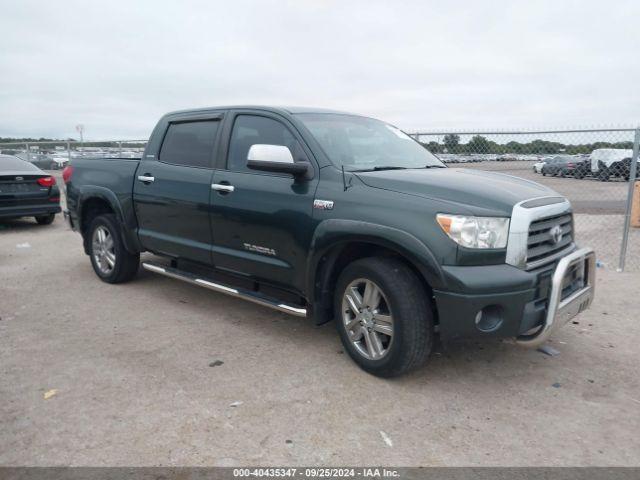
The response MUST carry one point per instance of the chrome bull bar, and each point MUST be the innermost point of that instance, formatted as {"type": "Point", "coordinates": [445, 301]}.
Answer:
{"type": "Point", "coordinates": [559, 310]}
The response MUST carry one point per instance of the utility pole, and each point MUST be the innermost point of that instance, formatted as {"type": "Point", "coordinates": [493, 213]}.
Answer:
{"type": "Point", "coordinates": [80, 130]}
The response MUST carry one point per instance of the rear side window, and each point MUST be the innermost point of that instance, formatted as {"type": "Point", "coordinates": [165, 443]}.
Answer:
{"type": "Point", "coordinates": [189, 143]}
{"type": "Point", "coordinates": [251, 129]}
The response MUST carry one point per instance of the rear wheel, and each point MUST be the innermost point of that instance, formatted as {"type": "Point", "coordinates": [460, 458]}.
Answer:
{"type": "Point", "coordinates": [46, 219]}
{"type": "Point", "coordinates": [383, 316]}
{"type": "Point", "coordinates": [603, 174]}
{"type": "Point", "coordinates": [110, 259]}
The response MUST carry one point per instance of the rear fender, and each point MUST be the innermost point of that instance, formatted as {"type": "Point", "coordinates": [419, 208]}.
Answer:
{"type": "Point", "coordinates": [126, 221]}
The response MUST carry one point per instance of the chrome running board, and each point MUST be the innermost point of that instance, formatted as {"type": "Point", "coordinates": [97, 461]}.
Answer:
{"type": "Point", "coordinates": [220, 288]}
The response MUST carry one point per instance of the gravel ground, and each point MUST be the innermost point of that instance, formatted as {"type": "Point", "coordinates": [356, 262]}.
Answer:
{"type": "Point", "coordinates": [157, 372]}
{"type": "Point", "coordinates": [588, 195]}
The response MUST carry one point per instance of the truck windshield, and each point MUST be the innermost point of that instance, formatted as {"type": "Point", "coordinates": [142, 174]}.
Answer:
{"type": "Point", "coordinates": [360, 143]}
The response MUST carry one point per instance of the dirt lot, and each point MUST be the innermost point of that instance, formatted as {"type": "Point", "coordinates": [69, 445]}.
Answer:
{"type": "Point", "coordinates": [129, 372]}
{"type": "Point", "coordinates": [588, 195]}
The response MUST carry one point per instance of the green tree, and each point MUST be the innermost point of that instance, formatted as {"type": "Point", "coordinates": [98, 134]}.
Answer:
{"type": "Point", "coordinates": [451, 141]}
{"type": "Point", "coordinates": [433, 147]}
{"type": "Point", "coordinates": [478, 144]}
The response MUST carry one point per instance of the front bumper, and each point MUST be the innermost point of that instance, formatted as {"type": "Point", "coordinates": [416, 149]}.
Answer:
{"type": "Point", "coordinates": [506, 301]}
{"type": "Point", "coordinates": [563, 305]}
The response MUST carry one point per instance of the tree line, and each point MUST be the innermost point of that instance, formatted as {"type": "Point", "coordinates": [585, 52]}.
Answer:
{"type": "Point", "coordinates": [43, 144]}
{"type": "Point", "coordinates": [25, 140]}
{"type": "Point", "coordinates": [479, 144]}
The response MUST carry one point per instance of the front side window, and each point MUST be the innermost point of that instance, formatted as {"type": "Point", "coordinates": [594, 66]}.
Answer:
{"type": "Point", "coordinates": [252, 129]}
{"type": "Point", "coordinates": [189, 143]}
{"type": "Point", "coordinates": [361, 143]}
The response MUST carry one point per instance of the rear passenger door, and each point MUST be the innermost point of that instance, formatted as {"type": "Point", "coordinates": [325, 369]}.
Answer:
{"type": "Point", "coordinates": [172, 190]}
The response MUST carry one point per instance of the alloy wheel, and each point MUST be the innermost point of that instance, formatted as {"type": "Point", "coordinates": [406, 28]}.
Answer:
{"type": "Point", "coordinates": [103, 250]}
{"type": "Point", "coordinates": [367, 318]}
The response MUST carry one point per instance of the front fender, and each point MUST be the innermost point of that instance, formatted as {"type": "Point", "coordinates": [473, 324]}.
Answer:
{"type": "Point", "coordinates": [334, 232]}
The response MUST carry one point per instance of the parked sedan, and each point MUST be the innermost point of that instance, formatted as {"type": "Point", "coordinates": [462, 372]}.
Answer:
{"type": "Point", "coordinates": [27, 191]}
{"type": "Point", "coordinates": [562, 165]}
{"type": "Point", "coordinates": [537, 167]}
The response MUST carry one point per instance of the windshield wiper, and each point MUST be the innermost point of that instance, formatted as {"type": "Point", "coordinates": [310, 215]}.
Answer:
{"type": "Point", "coordinates": [434, 166]}
{"type": "Point", "coordinates": [379, 168]}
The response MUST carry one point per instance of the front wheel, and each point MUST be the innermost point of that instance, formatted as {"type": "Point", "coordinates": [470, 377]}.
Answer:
{"type": "Point", "coordinates": [383, 316]}
{"type": "Point", "coordinates": [110, 259]}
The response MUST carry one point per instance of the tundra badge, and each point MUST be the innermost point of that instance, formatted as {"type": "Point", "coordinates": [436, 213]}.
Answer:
{"type": "Point", "coordinates": [323, 204]}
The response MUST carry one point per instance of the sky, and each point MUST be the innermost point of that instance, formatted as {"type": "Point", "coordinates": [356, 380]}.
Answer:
{"type": "Point", "coordinates": [117, 66]}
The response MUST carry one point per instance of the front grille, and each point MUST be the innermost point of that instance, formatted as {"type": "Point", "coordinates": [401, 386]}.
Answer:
{"type": "Point", "coordinates": [541, 244]}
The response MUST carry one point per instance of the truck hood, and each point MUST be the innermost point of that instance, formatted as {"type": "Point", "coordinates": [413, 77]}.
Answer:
{"type": "Point", "coordinates": [475, 189]}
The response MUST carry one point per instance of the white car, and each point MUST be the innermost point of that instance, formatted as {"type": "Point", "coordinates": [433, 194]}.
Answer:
{"type": "Point", "coordinates": [537, 167]}
{"type": "Point", "coordinates": [59, 161]}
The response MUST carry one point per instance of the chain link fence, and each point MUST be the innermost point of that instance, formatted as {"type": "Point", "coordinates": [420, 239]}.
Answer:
{"type": "Point", "coordinates": [54, 155]}
{"type": "Point", "coordinates": [592, 168]}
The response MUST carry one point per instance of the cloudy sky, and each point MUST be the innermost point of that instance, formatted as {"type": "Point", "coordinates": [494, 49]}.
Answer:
{"type": "Point", "coordinates": [116, 66]}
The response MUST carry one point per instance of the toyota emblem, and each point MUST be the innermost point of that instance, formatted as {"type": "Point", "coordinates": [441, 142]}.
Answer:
{"type": "Point", "coordinates": [556, 234]}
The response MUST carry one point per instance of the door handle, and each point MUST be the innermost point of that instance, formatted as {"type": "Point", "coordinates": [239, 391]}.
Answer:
{"type": "Point", "coordinates": [146, 178]}
{"type": "Point", "coordinates": [221, 187]}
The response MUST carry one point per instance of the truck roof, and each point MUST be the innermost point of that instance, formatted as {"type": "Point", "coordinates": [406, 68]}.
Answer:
{"type": "Point", "coordinates": [276, 109]}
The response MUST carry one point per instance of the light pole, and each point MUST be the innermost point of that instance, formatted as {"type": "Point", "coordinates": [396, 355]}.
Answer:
{"type": "Point", "coordinates": [80, 130]}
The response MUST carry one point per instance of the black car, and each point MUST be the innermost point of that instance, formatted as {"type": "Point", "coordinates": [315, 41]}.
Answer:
{"type": "Point", "coordinates": [27, 191]}
{"type": "Point", "coordinates": [583, 168]}
{"type": "Point", "coordinates": [560, 165]}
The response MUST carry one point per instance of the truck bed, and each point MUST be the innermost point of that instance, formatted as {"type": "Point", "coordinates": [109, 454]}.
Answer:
{"type": "Point", "coordinates": [107, 177]}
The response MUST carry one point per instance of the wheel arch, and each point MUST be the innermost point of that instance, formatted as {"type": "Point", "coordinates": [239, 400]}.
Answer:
{"type": "Point", "coordinates": [337, 243]}
{"type": "Point", "coordinates": [96, 201]}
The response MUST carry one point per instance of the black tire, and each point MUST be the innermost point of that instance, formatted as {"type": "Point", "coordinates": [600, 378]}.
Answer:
{"type": "Point", "coordinates": [46, 219]}
{"type": "Point", "coordinates": [544, 174]}
{"type": "Point", "coordinates": [409, 306]}
{"type": "Point", "coordinates": [603, 174]}
{"type": "Point", "coordinates": [125, 265]}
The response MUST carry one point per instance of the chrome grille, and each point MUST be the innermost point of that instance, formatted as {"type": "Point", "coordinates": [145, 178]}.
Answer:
{"type": "Point", "coordinates": [542, 244]}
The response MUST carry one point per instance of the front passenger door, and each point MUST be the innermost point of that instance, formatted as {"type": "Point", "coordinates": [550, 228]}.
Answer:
{"type": "Point", "coordinates": [262, 222]}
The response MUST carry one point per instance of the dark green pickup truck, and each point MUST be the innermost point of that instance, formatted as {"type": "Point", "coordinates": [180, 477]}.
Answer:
{"type": "Point", "coordinates": [336, 216]}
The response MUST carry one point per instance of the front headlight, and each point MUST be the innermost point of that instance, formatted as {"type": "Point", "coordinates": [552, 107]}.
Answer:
{"type": "Point", "coordinates": [475, 232]}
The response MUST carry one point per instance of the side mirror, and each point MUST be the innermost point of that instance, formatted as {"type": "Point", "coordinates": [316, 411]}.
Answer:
{"type": "Point", "coordinates": [277, 159]}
